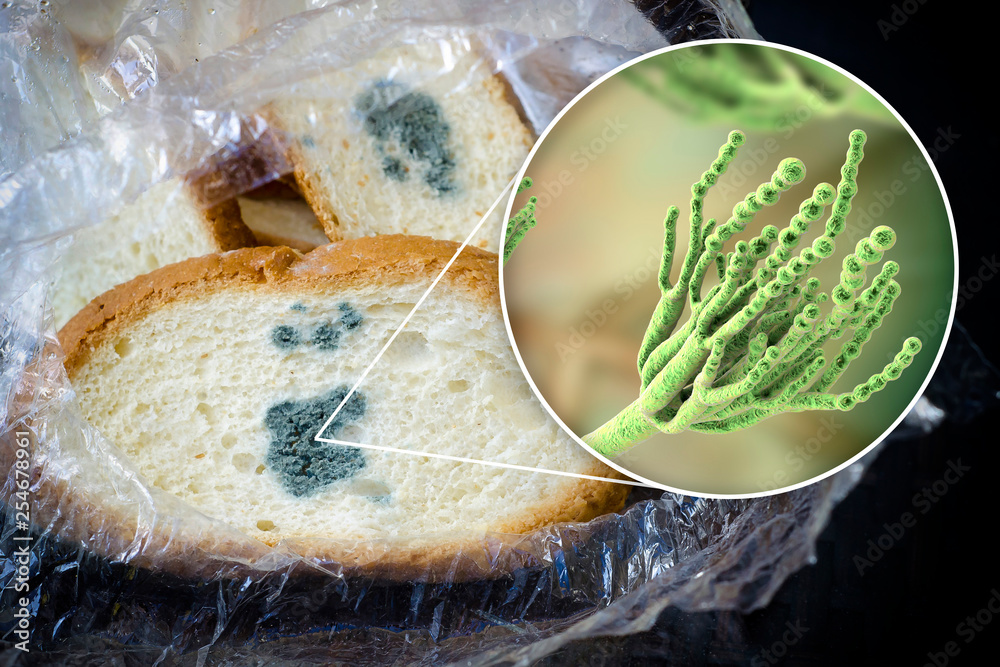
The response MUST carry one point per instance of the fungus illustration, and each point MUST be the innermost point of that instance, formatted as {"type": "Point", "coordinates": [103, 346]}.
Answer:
{"type": "Point", "coordinates": [752, 345]}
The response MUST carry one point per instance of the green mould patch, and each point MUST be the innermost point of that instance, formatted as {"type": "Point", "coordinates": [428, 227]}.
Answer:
{"type": "Point", "coordinates": [324, 336]}
{"type": "Point", "coordinates": [285, 337]}
{"type": "Point", "coordinates": [303, 465]}
{"type": "Point", "coordinates": [416, 122]}
{"type": "Point", "coordinates": [349, 318]}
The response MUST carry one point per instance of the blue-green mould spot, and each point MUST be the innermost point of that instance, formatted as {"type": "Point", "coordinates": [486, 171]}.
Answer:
{"type": "Point", "coordinates": [303, 465]}
{"type": "Point", "coordinates": [326, 337]}
{"type": "Point", "coordinates": [308, 141]}
{"type": "Point", "coordinates": [285, 337]}
{"type": "Point", "coordinates": [380, 500]}
{"type": "Point", "coordinates": [350, 318]}
{"type": "Point", "coordinates": [417, 123]}
{"type": "Point", "coordinates": [393, 168]}
{"type": "Point", "coordinates": [299, 307]}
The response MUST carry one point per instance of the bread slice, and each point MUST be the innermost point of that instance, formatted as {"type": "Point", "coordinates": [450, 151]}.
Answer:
{"type": "Point", "coordinates": [282, 221]}
{"type": "Point", "coordinates": [165, 224]}
{"type": "Point", "coordinates": [407, 142]}
{"type": "Point", "coordinates": [213, 376]}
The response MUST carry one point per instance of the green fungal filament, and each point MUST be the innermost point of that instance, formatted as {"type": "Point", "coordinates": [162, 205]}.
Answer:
{"type": "Point", "coordinates": [752, 346]}
{"type": "Point", "coordinates": [522, 221]}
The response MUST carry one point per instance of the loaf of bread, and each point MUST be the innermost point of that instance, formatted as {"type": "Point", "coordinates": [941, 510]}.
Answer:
{"type": "Point", "coordinates": [214, 375]}
{"type": "Point", "coordinates": [165, 224]}
{"type": "Point", "coordinates": [416, 140]}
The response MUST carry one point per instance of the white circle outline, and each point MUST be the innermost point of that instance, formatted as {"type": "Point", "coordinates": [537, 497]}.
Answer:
{"type": "Point", "coordinates": [927, 378]}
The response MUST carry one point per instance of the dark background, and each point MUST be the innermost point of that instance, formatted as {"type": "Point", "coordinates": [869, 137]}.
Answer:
{"type": "Point", "coordinates": [935, 63]}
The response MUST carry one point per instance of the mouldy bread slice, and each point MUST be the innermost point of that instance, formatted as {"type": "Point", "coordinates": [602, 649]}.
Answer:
{"type": "Point", "coordinates": [405, 142]}
{"type": "Point", "coordinates": [213, 376]}
{"type": "Point", "coordinates": [164, 225]}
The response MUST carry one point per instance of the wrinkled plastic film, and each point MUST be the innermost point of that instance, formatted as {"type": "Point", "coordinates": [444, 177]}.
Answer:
{"type": "Point", "coordinates": [143, 115]}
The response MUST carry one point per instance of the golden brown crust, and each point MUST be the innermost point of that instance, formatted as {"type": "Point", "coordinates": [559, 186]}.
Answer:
{"type": "Point", "coordinates": [125, 302]}
{"type": "Point", "coordinates": [320, 205]}
{"type": "Point", "coordinates": [385, 259]}
{"type": "Point", "coordinates": [279, 267]}
{"type": "Point", "coordinates": [225, 225]}
{"type": "Point", "coordinates": [263, 238]}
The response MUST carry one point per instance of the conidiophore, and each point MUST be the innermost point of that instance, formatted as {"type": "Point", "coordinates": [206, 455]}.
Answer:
{"type": "Point", "coordinates": [752, 345]}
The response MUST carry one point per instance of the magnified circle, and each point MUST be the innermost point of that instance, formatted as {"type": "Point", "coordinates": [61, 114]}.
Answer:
{"type": "Point", "coordinates": [812, 268]}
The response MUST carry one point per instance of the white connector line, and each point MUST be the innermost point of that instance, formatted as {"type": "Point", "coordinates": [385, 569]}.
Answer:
{"type": "Point", "coordinates": [406, 319]}
{"type": "Point", "coordinates": [385, 347]}
{"type": "Point", "coordinates": [463, 459]}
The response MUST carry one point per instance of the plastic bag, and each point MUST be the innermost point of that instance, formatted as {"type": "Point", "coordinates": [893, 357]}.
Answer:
{"type": "Point", "coordinates": [96, 591]}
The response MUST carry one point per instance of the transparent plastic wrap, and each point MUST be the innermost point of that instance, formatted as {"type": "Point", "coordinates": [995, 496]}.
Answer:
{"type": "Point", "coordinates": [119, 569]}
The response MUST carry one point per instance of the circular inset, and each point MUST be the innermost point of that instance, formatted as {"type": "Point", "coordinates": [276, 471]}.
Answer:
{"type": "Point", "coordinates": [764, 356]}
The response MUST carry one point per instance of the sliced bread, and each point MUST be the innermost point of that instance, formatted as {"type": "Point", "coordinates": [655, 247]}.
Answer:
{"type": "Point", "coordinates": [213, 376]}
{"type": "Point", "coordinates": [165, 224]}
{"type": "Point", "coordinates": [416, 140]}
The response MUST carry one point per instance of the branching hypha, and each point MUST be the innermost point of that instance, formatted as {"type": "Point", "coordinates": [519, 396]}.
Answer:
{"type": "Point", "coordinates": [522, 221]}
{"type": "Point", "coordinates": [755, 86]}
{"type": "Point", "coordinates": [752, 345]}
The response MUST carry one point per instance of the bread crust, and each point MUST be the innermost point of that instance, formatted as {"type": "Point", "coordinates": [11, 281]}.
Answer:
{"type": "Point", "coordinates": [225, 224]}
{"type": "Point", "coordinates": [386, 259]}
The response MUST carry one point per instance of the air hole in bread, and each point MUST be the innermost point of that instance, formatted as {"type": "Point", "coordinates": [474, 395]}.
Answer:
{"type": "Point", "coordinates": [369, 488]}
{"type": "Point", "coordinates": [207, 411]}
{"type": "Point", "coordinates": [228, 440]}
{"type": "Point", "coordinates": [352, 433]}
{"type": "Point", "coordinates": [458, 386]}
{"type": "Point", "coordinates": [265, 525]}
{"type": "Point", "coordinates": [123, 347]}
{"type": "Point", "coordinates": [244, 462]}
{"type": "Point", "coordinates": [408, 348]}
